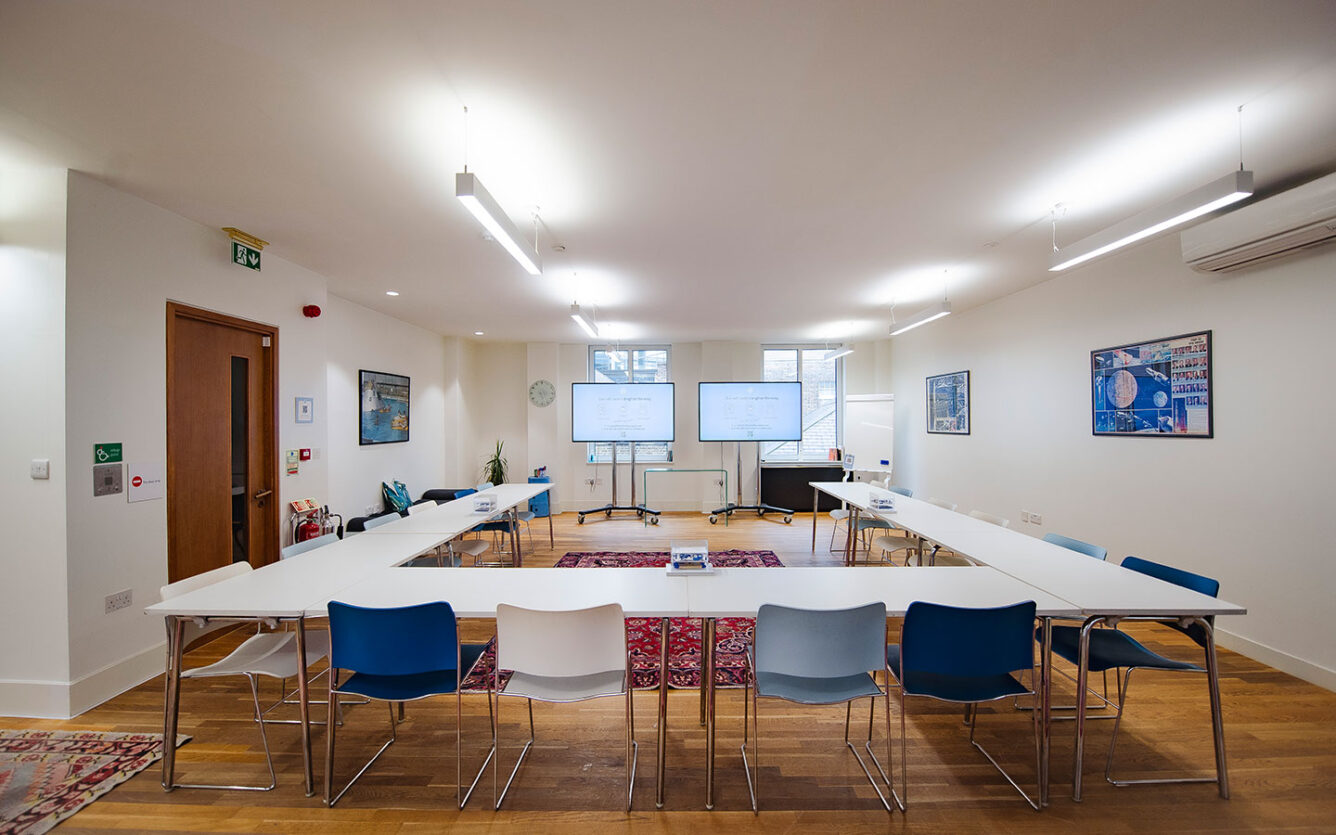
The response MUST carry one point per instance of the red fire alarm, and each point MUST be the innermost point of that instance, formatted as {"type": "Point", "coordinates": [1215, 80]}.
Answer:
{"type": "Point", "coordinates": [311, 311]}
{"type": "Point", "coordinates": [305, 455]}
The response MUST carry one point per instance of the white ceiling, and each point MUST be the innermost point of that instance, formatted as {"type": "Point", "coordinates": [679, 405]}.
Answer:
{"type": "Point", "coordinates": [728, 169]}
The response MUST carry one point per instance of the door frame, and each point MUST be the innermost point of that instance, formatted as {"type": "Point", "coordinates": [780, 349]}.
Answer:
{"type": "Point", "coordinates": [177, 310]}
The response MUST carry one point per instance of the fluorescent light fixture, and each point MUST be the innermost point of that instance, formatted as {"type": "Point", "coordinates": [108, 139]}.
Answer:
{"type": "Point", "coordinates": [391, 292]}
{"type": "Point", "coordinates": [470, 192]}
{"type": "Point", "coordinates": [1224, 191]}
{"type": "Point", "coordinates": [584, 321]}
{"type": "Point", "coordinates": [836, 353]}
{"type": "Point", "coordinates": [937, 311]}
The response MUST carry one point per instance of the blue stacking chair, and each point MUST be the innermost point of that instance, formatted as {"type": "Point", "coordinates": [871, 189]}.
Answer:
{"type": "Point", "coordinates": [1099, 553]}
{"type": "Point", "coordinates": [818, 657]}
{"type": "Point", "coordinates": [398, 655]}
{"type": "Point", "coordinates": [965, 656]}
{"type": "Point", "coordinates": [1114, 649]}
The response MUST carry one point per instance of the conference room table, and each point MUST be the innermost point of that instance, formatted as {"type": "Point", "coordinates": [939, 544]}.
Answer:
{"type": "Point", "coordinates": [1103, 592]}
{"type": "Point", "coordinates": [285, 590]}
{"type": "Point", "coordinates": [452, 518]}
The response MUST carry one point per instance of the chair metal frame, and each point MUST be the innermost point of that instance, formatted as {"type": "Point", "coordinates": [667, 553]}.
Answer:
{"type": "Point", "coordinates": [752, 693]}
{"type": "Point", "coordinates": [261, 647]}
{"type": "Point", "coordinates": [504, 614]}
{"type": "Point", "coordinates": [461, 796]}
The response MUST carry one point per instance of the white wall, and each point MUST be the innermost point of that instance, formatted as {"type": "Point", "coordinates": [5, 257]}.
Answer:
{"type": "Point", "coordinates": [1249, 507]}
{"type": "Point", "coordinates": [126, 259]}
{"type": "Point", "coordinates": [375, 342]}
{"type": "Point", "coordinates": [34, 660]}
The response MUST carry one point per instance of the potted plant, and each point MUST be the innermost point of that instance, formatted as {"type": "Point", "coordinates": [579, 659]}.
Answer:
{"type": "Point", "coordinates": [495, 467]}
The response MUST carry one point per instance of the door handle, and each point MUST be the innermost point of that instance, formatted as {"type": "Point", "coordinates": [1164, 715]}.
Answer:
{"type": "Point", "coordinates": [259, 497]}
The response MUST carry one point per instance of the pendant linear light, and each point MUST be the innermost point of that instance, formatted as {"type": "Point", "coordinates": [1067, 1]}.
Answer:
{"type": "Point", "coordinates": [937, 311]}
{"type": "Point", "coordinates": [470, 191]}
{"type": "Point", "coordinates": [1231, 188]}
{"type": "Point", "coordinates": [836, 353]}
{"type": "Point", "coordinates": [585, 321]}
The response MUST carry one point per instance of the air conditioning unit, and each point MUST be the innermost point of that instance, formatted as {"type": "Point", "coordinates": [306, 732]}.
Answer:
{"type": "Point", "coordinates": [1297, 219]}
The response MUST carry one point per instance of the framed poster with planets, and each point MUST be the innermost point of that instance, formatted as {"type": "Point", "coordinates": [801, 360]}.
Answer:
{"type": "Point", "coordinates": [1157, 389]}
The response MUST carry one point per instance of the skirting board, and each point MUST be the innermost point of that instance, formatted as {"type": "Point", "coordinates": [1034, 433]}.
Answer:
{"type": "Point", "coordinates": [1272, 657]}
{"type": "Point", "coordinates": [67, 699]}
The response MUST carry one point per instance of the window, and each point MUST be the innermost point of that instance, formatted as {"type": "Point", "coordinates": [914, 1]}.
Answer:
{"type": "Point", "coordinates": [637, 364]}
{"type": "Point", "coordinates": [821, 379]}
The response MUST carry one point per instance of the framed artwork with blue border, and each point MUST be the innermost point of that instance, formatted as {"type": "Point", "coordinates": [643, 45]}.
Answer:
{"type": "Point", "coordinates": [949, 403]}
{"type": "Point", "coordinates": [304, 409]}
{"type": "Point", "coordinates": [1160, 388]}
{"type": "Point", "coordinates": [383, 408]}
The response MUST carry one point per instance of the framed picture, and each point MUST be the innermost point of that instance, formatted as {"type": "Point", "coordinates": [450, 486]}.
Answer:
{"type": "Point", "coordinates": [383, 408]}
{"type": "Point", "coordinates": [949, 403]}
{"type": "Point", "coordinates": [304, 408]}
{"type": "Point", "coordinates": [1160, 388]}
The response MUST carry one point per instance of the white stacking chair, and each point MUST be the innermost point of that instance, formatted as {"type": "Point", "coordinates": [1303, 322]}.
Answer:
{"type": "Point", "coordinates": [272, 654]}
{"type": "Point", "coordinates": [308, 545]}
{"type": "Point", "coordinates": [936, 548]}
{"type": "Point", "coordinates": [991, 519]}
{"type": "Point", "coordinates": [563, 656]}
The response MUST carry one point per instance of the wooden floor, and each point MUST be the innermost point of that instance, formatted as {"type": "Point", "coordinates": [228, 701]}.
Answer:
{"type": "Point", "coordinates": [1281, 735]}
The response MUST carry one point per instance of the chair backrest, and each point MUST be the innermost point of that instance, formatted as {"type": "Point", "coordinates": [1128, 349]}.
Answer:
{"type": "Point", "coordinates": [414, 509]}
{"type": "Point", "coordinates": [1000, 521]}
{"type": "Point", "coordinates": [392, 642]}
{"type": "Point", "coordinates": [486, 485]}
{"type": "Point", "coordinates": [377, 521]}
{"type": "Point", "coordinates": [199, 581]}
{"type": "Point", "coordinates": [941, 503]}
{"type": "Point", "coordinates": [1179, 577]}
{"type": "Point", "coordinates": [958, 641]}
{"type": "Point", "coordinates": [1077, 545]}
{"type": "Point", "coordinates": [820, 643]}
{"type": "Point", "coordinates": [903, 491]}
{"type": "Point", "coordinates": [467, 491]}
{"type": "Point", "coordinates": [572, 642]}
{"type": "Point", "coordinates": [309, 545]}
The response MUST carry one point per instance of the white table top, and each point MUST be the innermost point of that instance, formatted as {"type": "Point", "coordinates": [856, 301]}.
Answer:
{"type": "Point", "coordinates": [1098, 587]}
{"type": "Point", "coordinates": [286, 588]}
{"type": "Point", "coordinates": [475, 592]}
{"type": "Point", "coordinates": [455, 517]}
{"type": "Point", "coordinates": [739, 592]}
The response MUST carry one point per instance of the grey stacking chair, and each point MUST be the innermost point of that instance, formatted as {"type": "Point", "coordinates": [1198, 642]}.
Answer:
{"type": "Point", "coordinates": [1077, 545]}
{"type": "Point", "coordinates": [818, 657]}
{"type": "Point", "coordinates": [383, 519]}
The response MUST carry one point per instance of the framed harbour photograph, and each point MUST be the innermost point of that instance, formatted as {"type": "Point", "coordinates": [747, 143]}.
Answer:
{"type": "Point", "coordinates": [1160, 388]}
{"type": "Point", "coordinates": [383, 415]}
{"type": "Point", "coordinates": [948, 402]}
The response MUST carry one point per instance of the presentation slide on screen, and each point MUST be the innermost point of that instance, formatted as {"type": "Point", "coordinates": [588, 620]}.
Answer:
{"type": "Point", "coordinates": [617, 412]}
{"type": "Point", "coordinates": [751, 411]}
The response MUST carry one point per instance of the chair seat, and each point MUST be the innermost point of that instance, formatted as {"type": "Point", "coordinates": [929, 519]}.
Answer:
{"type": "Point", "coordinates": [413, 686]}
{"type": "Point", "coordinates": [816, 691]}
{"type": "Point", "coordinates": [271, 654]}
{"type": "Point", "coordinates": [1110, 648]}
{"type": "Point", "coordinates": [950, 688]}
{"type": "Point", "coordinates": [566, 688]}
{"type": "Point", "coordinates": [472, 547]}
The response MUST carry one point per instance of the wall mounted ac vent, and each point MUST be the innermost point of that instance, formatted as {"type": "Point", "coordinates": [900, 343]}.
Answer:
{"type": "Point", "coordinates": [1300, 218]}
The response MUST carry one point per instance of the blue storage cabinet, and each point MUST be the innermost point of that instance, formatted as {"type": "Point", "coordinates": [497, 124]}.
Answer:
{"type": "Point", "coordinates": [540, 505]}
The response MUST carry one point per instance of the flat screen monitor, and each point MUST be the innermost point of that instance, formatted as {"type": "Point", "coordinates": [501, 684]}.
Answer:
{"type": "Point", "coordinates": [603, 412]}
{"type": "Point", "coordinates": [751, 411]}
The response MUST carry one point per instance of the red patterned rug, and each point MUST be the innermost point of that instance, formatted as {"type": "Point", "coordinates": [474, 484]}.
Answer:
{"type": "Point", "coordinates": [684, 639]}
{"type": "Point", "coordinates": [46, 776]}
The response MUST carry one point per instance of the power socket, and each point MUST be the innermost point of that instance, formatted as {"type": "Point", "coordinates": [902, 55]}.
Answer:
{"type": "Point", "coordinates": [119, 600]}
{"type": "Point", "coordinates": [1036, 519]}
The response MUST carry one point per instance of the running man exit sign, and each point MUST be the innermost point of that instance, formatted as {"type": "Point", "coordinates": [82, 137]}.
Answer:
{"type": "Point", "coordinates": [245, 256]}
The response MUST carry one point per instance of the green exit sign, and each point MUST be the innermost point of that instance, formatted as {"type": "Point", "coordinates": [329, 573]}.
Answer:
{"type": "Point", "coordinates": [106, 453]}
{"type": "Point", "coordinates": [245, 256]}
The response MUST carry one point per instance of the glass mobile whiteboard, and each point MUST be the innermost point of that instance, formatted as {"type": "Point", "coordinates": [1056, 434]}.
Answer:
{"type": "Point", "coordinates": [621, 412]}
{"type": "Point", "coordinates": [751, 411]}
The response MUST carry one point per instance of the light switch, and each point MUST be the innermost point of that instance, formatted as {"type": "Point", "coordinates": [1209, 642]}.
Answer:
{"type": "Point", "coordinates": [40, 468]}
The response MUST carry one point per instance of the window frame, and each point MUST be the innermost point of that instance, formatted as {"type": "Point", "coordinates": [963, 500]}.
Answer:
{"type": "Point", "coordinates": [647, 452]}
{"type": "Point", "coordinates": [823, 458]}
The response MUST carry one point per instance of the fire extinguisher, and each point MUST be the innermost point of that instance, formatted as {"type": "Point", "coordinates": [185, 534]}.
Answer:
{"type": "Point", "coordinates": [310, 527]}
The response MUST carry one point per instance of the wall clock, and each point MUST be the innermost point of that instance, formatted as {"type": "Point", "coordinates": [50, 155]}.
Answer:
{"type": "Point", "coordinates": [542, 393]}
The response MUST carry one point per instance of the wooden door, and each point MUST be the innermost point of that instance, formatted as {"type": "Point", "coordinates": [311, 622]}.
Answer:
{"type": "Point", "coordinates": [222, 442]}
